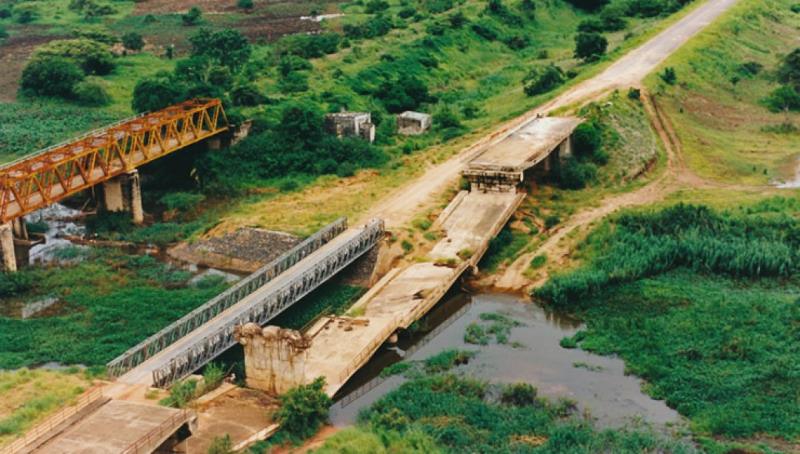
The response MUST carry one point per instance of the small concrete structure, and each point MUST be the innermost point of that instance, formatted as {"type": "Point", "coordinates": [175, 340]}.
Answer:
{"type": "Point", "coordinates": [124, 193]}
{"type": "Point", "coordinates": [502, 166]}
{"type": "Point", "coordinates": [275, 358]}
{"type": "Point", "coordinates": [413, 123]}
{"type": "Point", "coordinates": [16, 244]}
{"type": "Point", "coordinates": [351, 124]}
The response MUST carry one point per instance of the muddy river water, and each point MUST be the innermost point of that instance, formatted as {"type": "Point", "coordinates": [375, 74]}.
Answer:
{"type": "Point", "coordinates": [597, 383]}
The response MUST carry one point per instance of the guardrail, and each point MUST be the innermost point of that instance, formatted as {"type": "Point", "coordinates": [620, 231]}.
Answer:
{"type": "Point", "coordinates": [368, 351]}
{"type": "Point", "coordinates": [158, 434]}
{"type": "Point", "coordinates": [262, 310]}
{"type": "Point", "coordinates": [199, 316]}
{"type": "Point", "coordinates": [86, 399]}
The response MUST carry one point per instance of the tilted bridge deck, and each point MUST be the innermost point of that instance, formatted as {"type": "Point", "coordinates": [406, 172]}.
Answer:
{"type": "Point", "coordinates": [204, 343]}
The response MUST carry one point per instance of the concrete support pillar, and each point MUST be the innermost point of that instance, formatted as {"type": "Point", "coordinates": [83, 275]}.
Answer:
{"type": "Point", "coordinates": [20, 228]}
{"type": "Point", "coordinates": [565, 149]}
{"type": "Point", "coordinates": [124, 193]}
{"type": "Point", "coordinates": [9, 259]}
{"type": "Point", "coordinates": [215, 143]}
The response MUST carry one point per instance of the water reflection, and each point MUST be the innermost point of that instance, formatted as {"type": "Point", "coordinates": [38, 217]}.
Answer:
{"type": "Point", "coordinates": [597, 383]}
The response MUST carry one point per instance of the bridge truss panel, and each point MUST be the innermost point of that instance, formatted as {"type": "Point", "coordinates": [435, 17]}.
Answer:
{"type": "Point", "coordinates": [201, 315]}
{"type": "Point", "coordinates": [45, 177]}
{"type": "Point", "coordinates": [264, 309]}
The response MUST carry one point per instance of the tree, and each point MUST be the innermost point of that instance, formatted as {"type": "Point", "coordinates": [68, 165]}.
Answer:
{"type": "Point", "coordinates": [587, 139]}
{"type": "Point", "coordinates": [302, 123]}
{"type": "Point", "coordinates": [51, 76]}
{"type": "Point", "coordinates": [542, 79]}
{"type": "Point", "coordinates": [157, 92]}
{"type": "Point", "coordinates": [227, 47]}
{"type": "Point", "coordinates": [590, 46]}
{"type": "Point", "coordinates": [192, 17]}
{"type": "Point", "coordinates": [304, 409]}
{"type": "Point", "coordinates": [91, 94]}
{"type": "Point", "coordinates": [246, 95]}
{"type": "Point", "coordinates": [783, 99]}
{"type": "Point", "coordinates": [92, 56]}
{"type": "Point", "coordinates": [133, 41]}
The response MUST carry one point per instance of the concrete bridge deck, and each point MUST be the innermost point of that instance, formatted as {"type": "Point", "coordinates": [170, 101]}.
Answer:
{"type": "Point", "coordinates": [527, 146]}
{"type": "Point", "coordinates": [341, 346]}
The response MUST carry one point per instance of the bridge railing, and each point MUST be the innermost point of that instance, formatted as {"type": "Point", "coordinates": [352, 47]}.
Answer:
{"type": "Point", "coordinates": [23, 444]}
{"type": "Point", "coordinates": [201, 315]}
{"type": "Point", "coordinates": [147, 443]}
{"type": "Point", "coordinates": [264, 309]}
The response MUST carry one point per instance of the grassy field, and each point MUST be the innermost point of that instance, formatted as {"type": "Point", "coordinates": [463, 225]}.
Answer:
{"type": "Point", "coordinates": [709, 323]}
{"type": "Point", "coordinates": [28, 396]}
{"type": "Point", "coordinates": [726, 131]}
{"type": "Point", "coordinates": [107, 302]}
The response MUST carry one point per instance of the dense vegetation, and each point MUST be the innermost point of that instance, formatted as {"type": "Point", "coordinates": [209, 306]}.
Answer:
{"type": "Point", "coordinates": [107, 302]}
{"type": "Point", "coordinates": [701, 304]}
{"type": "Point", "coordinates": [438, 411]}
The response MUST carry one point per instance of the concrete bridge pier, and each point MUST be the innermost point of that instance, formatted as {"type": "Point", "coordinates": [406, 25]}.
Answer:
{"type": "Point", "coordinates": [124, 193]}
{"type": "Point", "coordinates": [9, 262]}
{"type": "Point", "coordinates": [16, 244]}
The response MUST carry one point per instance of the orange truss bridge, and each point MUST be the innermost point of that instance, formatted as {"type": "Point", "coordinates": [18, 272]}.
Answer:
{"type": "Point", "coordinates": [47, 176]}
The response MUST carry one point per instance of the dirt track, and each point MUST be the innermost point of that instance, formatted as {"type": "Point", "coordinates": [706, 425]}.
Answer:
{"type": "Point", "coordinates": [402, 205]}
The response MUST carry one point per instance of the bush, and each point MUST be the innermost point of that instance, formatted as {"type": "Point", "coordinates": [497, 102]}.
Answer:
{"type": "Point", "coordinates": [309, 46]}
{"type": "Point", "coordinates": [669, 76]}
{"type": "Point", "coordinates": [519, 395]}
{"type": "Point", "coordinates": [246, 95]}
{"type": "Point", "coordinates": [542, 79]}
{"type": "Point", "coordinates": [213, 375]}
{"type": "Point", "coordinates": [590, 46]}
{"type": "Point", "coordinates": [783, 99]}
{"type": "Point", "coordinates": [245, 4]}
{"type": "Point", "coordinates": [587, 139]}
{"type": "Point", "coordinates": [5, 13]}
{"type": "Point", "coordinates": [3, 33]}
{"type": "Point", "coordinates": [796, 8]}
{"type": "Point", "coordinates": [91, 94]}
{"type": "Point", "coordinates": [789, 71]}
{"type": "Point", "coordinates": [445, 118]}
{"type": "Point", "coordinates": [192, 17]}
{"type": "Point", "coordinates": [133, 41]}
{"type": "Point", "coordinates": [304, 409]}
{"type": "Point", "coordinates": [92, 56]}
{"type": "Point", "coordinates": [222, 445]}
{"type": "Point", "coordinates": [180, 394]}
{"type": "Point", "coordinates": [575, 174]}
{"type": "Point", "coordinates": [588, 5]}
{"type": "Point", "coordinates": [157, 92]}
{"type": "Point", "coordinates": [376, 6]}
{"type": "Point", "coordinates": [181, 201]}
{"type": "Point", "coordinates": [551, 221]}
{"type": "Point", "coordinates": [634, 94]}
{"type": "Point", "coordinates": [50, 76]}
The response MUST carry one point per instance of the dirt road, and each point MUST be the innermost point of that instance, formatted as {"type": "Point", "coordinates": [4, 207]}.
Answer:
{"type": "Point", "coordinates": [402, 205]}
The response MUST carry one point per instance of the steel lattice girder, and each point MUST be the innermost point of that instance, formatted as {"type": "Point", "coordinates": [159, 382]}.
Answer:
{"type": "Point", "coordinates": [199, 316]}
{"type": "Point", "coordinates": [260, 312]}
{"type": "Point", "coordinates": [45, 177]}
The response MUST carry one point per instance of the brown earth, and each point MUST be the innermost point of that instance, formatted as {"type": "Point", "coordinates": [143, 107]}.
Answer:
{"type": "Point", "coordinates": [14, 53]}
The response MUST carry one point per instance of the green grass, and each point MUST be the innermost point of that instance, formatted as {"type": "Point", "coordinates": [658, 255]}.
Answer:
{"type": "Point", "coordinates": [447, 413]}
{"type": "Point", "coordinates": [28, 396]}
{"type": "Point", "coordinates": [503, 249]}
{"type": "Point", "coordinates": [701, 304]}
{"type": "Point", "coordinates": [108, 302]}
{"type": "Point", "coordinates": [724, 128]}
{"type": "Point", "coordinates": [332, 297]}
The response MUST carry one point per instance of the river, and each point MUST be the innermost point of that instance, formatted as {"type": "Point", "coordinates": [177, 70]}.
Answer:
{"type": "Point", "coordinates": [597, 383]}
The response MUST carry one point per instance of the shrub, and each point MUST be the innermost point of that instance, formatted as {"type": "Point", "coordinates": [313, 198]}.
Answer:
{"type": "Point", "coordinates": [519, 394]}
{"type": "Point", "coordinates": [669, 76]}
{"type": "Point", "coordinates": [295, 82]}
{"type": "Point", "coordinates": [5, 13]}
{"type": "Point", "coordinates": [92, 56]}
{"type": "Point", "coordinates": [445, 118]}
{"type": "Point", "coordinates": [796, 8]}
{"type": "Point", "coordinates": [133, 41]}
{"type": "Point", "coordinates": [540, 260]}
{"type": "Point", "coordinates": [590, 46]}
{"type": "Point", "coordinates": [542, 79]}
{"type": "Point", "coordinates": [376, 6]}
{"type": "Point", "coordinates": [304, 409]}
{"type": "Point", "coordinates": [91, 94]}
{"type": "Point", "coordinates": [221, 445]}
{"type": "Point", "coordinates": [3, 33]}
{"type": "Point", "coordinates": [213, 375]}
{"type": "Point", "coordinates": [750, 69]}
{"type": "Point", "coordinates": [588, 5]}
{"type": "Point", "coordinates": [245, 4]}
{"type": "Point", "coordinates": [180, 394]}
{"type": "Point", "coordinates": [309, 46]}
{"type": "Point", "coordinates": [789, 71]}
{"type": "Point", "coordinates": [192, 17]}
{"type": "Point", "coordinates": [246, 95]}
{"type": "Point", "coordinates": [345, 169]}
{"type": "Point", "coordinates": [156, 92]}
{"type": "Point", "coordinates": [634, 94]}
{"type": "Point", "coordinates": [51, 76]}
{"type": "Point", "coordinates": [551, 221]}
{"type": "Point", "coordinates": [783, 99]}
{"type": "Point", "coordinates": [575, 174]}
{"type": "Point", "coordinates": [14, 284]}
{"type": "Point", "coordinates": [587, 139]}
{"type": "Point", "coordinates": [181, 201]}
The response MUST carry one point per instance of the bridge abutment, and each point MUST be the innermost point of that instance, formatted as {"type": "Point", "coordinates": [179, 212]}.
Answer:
{"type": "Point", "coordinates": [124, 193]}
